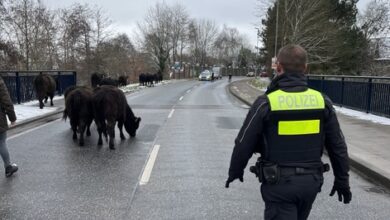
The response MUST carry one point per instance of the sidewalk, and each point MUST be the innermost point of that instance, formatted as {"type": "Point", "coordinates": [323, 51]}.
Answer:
{"type": "Point", "coordinates": [368, 142]}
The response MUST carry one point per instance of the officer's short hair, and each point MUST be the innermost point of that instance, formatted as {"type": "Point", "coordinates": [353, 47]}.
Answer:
{"type": "Point", "coordinates": [293, 58]}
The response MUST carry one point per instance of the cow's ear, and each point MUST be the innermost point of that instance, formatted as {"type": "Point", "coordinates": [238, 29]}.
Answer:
{"type": "Point", "coordinates": [137, 120]}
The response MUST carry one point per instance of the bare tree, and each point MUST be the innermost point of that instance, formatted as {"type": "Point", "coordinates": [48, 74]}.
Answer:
{"type": "Point", "coordinates": [375, 19]}
{"type": "Point", "coordinates": [156, 33]}
{"type": "Point", "coordinates": [304, 26]}
{"type": "Point", "coordinates": [227, 45]}
{"type": "Point", "coordinates": [179, 30]}
{"type": "Point", "coordinates": [202, 34]}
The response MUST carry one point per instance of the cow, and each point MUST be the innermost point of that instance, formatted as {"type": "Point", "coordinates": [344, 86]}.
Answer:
{"type": "Point", "coordinates": [147, 79]}
{"type": "Point", "coordinates": [109, 81]}
{"type": "Point", "coordinates": [45, 87]}
{"type": "Point", "coordinates": [96, 79]}
{"type": "Point", "coordinates": [78, 108]}
{"type": "Point", "coordinates": [110, 106]}
{"type": "Point", "coordinates": [122, 80]}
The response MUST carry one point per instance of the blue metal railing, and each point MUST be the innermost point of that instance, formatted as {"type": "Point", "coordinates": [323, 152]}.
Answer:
{"type": "Point", "coordinates": [20, 84]}
{"type": "Point", "coordinates": [369, 94]}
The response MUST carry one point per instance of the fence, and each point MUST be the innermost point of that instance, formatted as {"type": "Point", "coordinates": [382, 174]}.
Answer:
{"type": "Point", "coordinates": [369, 94]}
{"type": "Point", "coordinates": [21, 87]}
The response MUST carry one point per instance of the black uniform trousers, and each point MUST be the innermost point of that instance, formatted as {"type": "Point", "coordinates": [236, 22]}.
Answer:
{"type": "Point", "coordinates": [292, 197]}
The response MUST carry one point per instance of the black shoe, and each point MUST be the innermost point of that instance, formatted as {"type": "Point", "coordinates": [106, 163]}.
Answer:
{"type": "Point", "coordinates": [11, 169]}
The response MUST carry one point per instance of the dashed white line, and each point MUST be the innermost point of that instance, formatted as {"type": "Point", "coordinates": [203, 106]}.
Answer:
{"type": "Point", "coordinates": [171, 113]}
{"type": "Point", "coordinates": [181, 98]}
{"type": "Point", "coordinates": [149, 166]}
{"type": "Point", "coordinates": [188, 91]}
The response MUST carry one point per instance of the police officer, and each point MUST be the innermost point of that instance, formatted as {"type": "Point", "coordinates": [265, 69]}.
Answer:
{"type": "Point", "coordinates": [288, 126]}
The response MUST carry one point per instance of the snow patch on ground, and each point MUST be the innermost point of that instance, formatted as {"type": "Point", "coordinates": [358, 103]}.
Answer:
{"type": "Point", "coordinates": [363, 115]}
{"type": "Point", "coordinates": [36, 102]}
{"type": "Point", "coordinates": [135, 86]}
{"type": "Point", "coordinates": [24, 112]}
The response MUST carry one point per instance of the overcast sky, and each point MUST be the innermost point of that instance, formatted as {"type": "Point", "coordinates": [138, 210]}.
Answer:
{"type": "Point", "coordinates": [235, 13]}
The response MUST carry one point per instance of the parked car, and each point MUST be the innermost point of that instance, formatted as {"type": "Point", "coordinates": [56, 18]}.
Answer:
{"type": "Point", "coordinates": [250, 74]}
{"type": "Point", "coordinates": [205, 75]}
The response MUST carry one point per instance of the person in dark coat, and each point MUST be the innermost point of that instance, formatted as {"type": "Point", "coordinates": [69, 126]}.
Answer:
{"type": "Point", "coordinates": [7, 109]}
{"type": "Point", "coordinates": [289, 126]}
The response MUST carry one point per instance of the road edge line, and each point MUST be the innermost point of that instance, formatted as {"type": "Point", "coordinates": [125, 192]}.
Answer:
{"type": "Point", "coordinates": [149, 166]}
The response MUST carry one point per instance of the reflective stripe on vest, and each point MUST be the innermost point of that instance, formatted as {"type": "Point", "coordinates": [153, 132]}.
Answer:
{"type": "Point", "coordinates": [290, 101]}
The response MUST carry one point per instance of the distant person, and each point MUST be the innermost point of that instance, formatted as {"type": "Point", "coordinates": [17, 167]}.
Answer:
{"type": "Point", "coordinates": [230, 77]}
{"type": "Point", "coordinates": [289, 126]}
{"type": "Point", "coordinates": [7, 109]}
{"type": "Point", "coordinates": [212, 76]}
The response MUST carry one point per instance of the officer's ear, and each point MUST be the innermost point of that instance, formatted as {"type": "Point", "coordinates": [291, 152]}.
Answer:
{"type": "Point", "coordinates": [306, 69]}
{"type": "Point", "coordinates": [279, 68]}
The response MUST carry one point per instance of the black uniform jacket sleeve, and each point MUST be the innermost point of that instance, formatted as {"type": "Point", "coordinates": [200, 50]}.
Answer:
{"type": "Point", "coordinates": [336, 146]}
{"type": "Point", "coordinates": [250, 138]}
{"type": "Point", "coordinates": [5, 102]}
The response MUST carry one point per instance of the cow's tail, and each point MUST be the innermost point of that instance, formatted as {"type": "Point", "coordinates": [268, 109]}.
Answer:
{"type": "Point", "coordinates": [65, 115]}
{"type": "Point", "coordinates": [72, 107]}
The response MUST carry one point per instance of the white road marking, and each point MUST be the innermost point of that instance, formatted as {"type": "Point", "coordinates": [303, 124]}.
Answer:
{"type": "Point", "coordinates": [149, 166]}
{"type": "Point", "coordinates": [188, 91]}
{"type": "Point", "coordinates": [30, 130]}
{"type": "Point", "coordinates": [171, 113]}
{"type": "Point", "coordinates": [181, 98]}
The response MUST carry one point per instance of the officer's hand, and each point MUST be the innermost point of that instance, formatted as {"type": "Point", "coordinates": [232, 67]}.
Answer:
{"type": "Point", "coordinates": [231, 179]}
{"type": "Point", "coordinates": [342, 192]}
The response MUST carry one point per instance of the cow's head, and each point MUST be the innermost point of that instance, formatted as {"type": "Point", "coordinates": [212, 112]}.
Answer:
{"type": "Point", "coordinates": [131, 123]}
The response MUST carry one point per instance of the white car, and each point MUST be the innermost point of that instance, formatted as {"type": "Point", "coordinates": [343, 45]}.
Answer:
{"type": "Point", "coordinates": [250, 74]}
{"type": "Point", "coordinates": [205, 75]}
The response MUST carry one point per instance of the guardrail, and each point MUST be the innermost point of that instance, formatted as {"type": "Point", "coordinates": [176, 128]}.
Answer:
{"type": "Point", "coordinates": [20, 84]}
{"type": "Point", "coordinates": [369, 94]}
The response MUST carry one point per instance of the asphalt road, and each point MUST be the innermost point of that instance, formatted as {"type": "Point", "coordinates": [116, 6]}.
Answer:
{"type": "Point", "coordinates": [189, 128]}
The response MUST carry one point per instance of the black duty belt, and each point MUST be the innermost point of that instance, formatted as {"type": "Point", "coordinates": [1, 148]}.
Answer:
{"type": "Point", "coordinates": [290, 171]}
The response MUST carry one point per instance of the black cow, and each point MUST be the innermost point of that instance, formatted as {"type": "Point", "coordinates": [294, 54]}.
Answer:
{"type": "Point", "coordinates": [110, 105]}
{"type": "Point", "coordinates": [45, 86]}
{"type": "Point", "coordinates": [122, 80]}
{"type": "Point", "coordinates": [78, 107]}
{"type": "Point", "coordinates": [147, 79]}
{"type": "Point", "coordinates": [96, 79]}
{"type": "Point", "coordinates": [109, 81]}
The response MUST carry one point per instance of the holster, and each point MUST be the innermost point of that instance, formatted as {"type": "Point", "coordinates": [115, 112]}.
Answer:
{"type": "Point", "coordinates": [266, 171]}
{"type": "Point", "coordinates": [257, 169]}
{"type": "Point", "coordinates": [271, 173]}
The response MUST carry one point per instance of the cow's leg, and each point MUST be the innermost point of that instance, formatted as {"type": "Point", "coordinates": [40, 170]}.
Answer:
{"type": "Point", "coordinates": [41, 104]}
{"type": "Point", "coordinates": [111, 133]}
{"type": "Point", "coordinates": [82, 127]}
{"type": "Point", "coordinates": [51, 99]}
{"type": "Point", "coordinates": [73, 124]}
{"type": "Point", "coordinates": [120, 126]}
{"type": "Point", "coordinates": [100, 131]}
{"type": "Point", "coordinates": [46, 97]}
{"type": "Point", "coordinates": [89, 129]}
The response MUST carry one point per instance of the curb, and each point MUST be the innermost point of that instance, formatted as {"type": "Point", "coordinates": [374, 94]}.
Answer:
{"type": "Point", "coordinates": [37, 118]}
{"type": "Point", "coordinates": [235, 94]}
{"type": "Point", "coordinates": [355, 162]}
{"type": "Point", "coordinates": [368, 172]}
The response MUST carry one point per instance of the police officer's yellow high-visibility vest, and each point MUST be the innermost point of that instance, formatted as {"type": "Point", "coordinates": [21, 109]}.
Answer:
{"type": "Point", "coordinates": [294, 131]}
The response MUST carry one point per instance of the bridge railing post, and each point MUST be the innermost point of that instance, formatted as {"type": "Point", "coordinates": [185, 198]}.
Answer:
{"type": "Point", "coordinates": [59, 83]}
{"type": "Point", "coordinates": [342, 91]}
{"type": "Point", "coordinates": [18, 96]}
{"type": "Point", "coordinates": [369, 94]}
